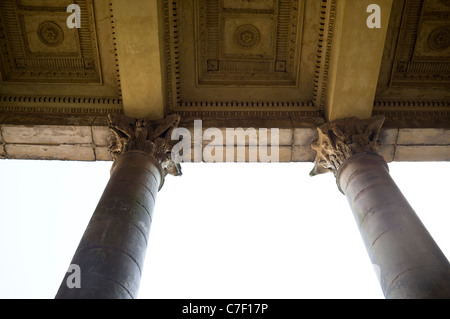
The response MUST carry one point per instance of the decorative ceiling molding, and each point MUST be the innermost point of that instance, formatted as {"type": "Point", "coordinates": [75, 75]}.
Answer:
{"type": "Point", "coordinates": [251, 114]}
{"type": "Point", "coordinates": [36, 46]}
{"type": "Point", "coordinates": [413, 113]}
{"type": "Point", "coordinates": [172, 53]}
{"type": "Point", "coordinates": [58, 104]}
{"type": "Point", "coordinates": [380, 104]}
{"type": "Point", "coordinates": [114, 40]}
{"type": "Point", "coordinates": [59, 99]}
{"type": "Point", "coordinates": [417, 63]}
{"type": "Point", "coordinates": [245, 43]}
{"type": "Point", "coordinates": [58, 110]}
{"type": "Point", "coordinates": [68, 95]}
{"type": "Point", "coordinates": [324, 44]}
{"type": "Point", "coordinates": [422, 57]}
{"type": "Point", "coordinates": [233, 103]}
{"type": "Point", "coordinates": [233, 54]}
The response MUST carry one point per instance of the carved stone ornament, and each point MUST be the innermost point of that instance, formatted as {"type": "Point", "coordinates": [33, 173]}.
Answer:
{"type": "Point", "coordinates": [339, 140]}
{"type": "Point", "coordinates": [151, 137]}
{"type": "Point", "coordinates": [247, 36]}
{"type": "Point", "coordinates": [439, 39]}
{"type": "Point", "coordinates": [50, 33]}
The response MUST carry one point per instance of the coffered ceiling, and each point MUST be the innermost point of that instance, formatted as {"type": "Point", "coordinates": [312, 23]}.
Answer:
{"type": "Point", "coordinates": [48, 67]}
{"type": "Point", "coordinates": [38, 47]}
{"type": "Point", "coordinates": [416, 61]}
{"type": "Point", "coordinates": [240, 55]}
{"type": "Point", "coordinates": [226, 58]}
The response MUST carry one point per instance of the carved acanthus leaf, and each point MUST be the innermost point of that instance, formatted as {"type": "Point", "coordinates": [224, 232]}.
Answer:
{"type": "Point", "coordinates": [151, 137]}
{"type": "Point", "coordinates": [339, 140]}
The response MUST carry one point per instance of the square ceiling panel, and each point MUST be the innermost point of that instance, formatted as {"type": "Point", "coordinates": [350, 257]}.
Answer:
{"type": "Point", "coordinates": [247, 42]}
{"type": "Point", "coordinates": [37, 46]}
{"type": "Point", "coordinates": [423, 48]}
{"type": "Point", "coordinates": [230, 55]}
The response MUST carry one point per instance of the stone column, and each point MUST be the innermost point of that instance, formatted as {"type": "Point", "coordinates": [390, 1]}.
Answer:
{"type": "Point", "coordinates": [111, 253]}
{"type": "Point", "coordinates": [409, 262]}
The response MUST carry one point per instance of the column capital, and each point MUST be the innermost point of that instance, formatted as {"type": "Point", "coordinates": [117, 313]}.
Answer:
{"type": "Point", "coordinates": [151, 137]}
{"type": "Point", "coordinates": [340, 139]}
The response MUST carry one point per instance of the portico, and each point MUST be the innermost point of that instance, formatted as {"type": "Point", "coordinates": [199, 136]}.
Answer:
{"type": "Point", "coordinates": [340, 93]}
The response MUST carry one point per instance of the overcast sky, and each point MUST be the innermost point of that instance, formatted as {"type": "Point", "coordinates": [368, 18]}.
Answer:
{"type": "Point", "coordinates": [219, 231]}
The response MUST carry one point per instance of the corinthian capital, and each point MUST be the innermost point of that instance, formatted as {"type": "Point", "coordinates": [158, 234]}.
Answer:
{"type": "Point", "coordinates": [339, 140]}
{"type": "Point", "coordinates": [151, 137]}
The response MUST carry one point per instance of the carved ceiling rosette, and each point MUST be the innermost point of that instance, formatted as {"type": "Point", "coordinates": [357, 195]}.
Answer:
{"type": "Point", "coordinates": [151, 137]}
{"type": "Point", "coordinates": [439, 39]}
{"type": "Point", "coordinates": [339, 140]}
{"type": "Point", "coordinates": [50, 33]}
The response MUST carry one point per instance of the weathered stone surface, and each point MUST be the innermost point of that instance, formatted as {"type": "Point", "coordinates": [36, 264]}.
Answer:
{"type": "Point", "coordinates": [387, 139]}
{"type": "Point", "coordinates": [285, 137]}
{"type": "Point", "coordinates": [245, 154]}
{"type": "Point", "coordinates": [422, 153]}
{"type": "Point", "coordinates": [303, 154]}
{"type": "Point", "coordinates": [101, 135]}
{"type": "Point", "coordinates": [101, 121]}
{"type": "Point", "coordinates": [45, 134]}
{"type": "Point", "coordinates": [3, 116]}
{"type": "Point", "coordinates": [304, 136]}
{"type": "Point", "coordinates": [388, 136]}
{"type": "Point", "coordinates": [102, 154]}
{"type": "Point", "coordinates": [34, 119]}
{"type": "Point", "coordinates": [259, 122]}
{"type": "Point", "coordinates": [2, 148]}
{"type": "Point", "coordinates": [140, 61]}
{"type": "Point", "coordinates": [430, 136]}
{"type": "Point", "coordinates": [349, 92]}
{"type": "Point", "coordinates": [387, 152]}
{"type": "Point", "coordinates": [298, 139]}
{"type": "Point", "coordinates": [250, 136]}
{"type": "Point", "coordinates": [307, 122]}
{"type": "Point", "coordinates": [50, 152]}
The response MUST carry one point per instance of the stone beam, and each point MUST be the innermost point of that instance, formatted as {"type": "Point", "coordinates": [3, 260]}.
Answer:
{"type": "Point", "coordinates": [89, 140]}
{"type": "Point", "coordinates": [138, 52]}
{"type": "Point", "coordinates": [355, 52]}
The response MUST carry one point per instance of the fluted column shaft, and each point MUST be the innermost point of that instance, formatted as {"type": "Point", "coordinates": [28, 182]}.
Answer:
{"type": "Point", "coordinates": [410, 263]}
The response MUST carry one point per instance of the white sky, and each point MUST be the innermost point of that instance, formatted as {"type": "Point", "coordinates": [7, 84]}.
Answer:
{"type": "Point", "coordinates": [219, 231]}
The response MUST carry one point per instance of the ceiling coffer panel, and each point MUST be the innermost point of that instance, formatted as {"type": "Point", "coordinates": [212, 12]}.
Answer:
{"type": "Point", "coordinates": [229, 55]}
{"type": "Point", "coordinates": [423, 50]}
{"type": "Point", "coordinates": [37, 46]}
{"type": "Point", "coordinates": [241, 42]}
